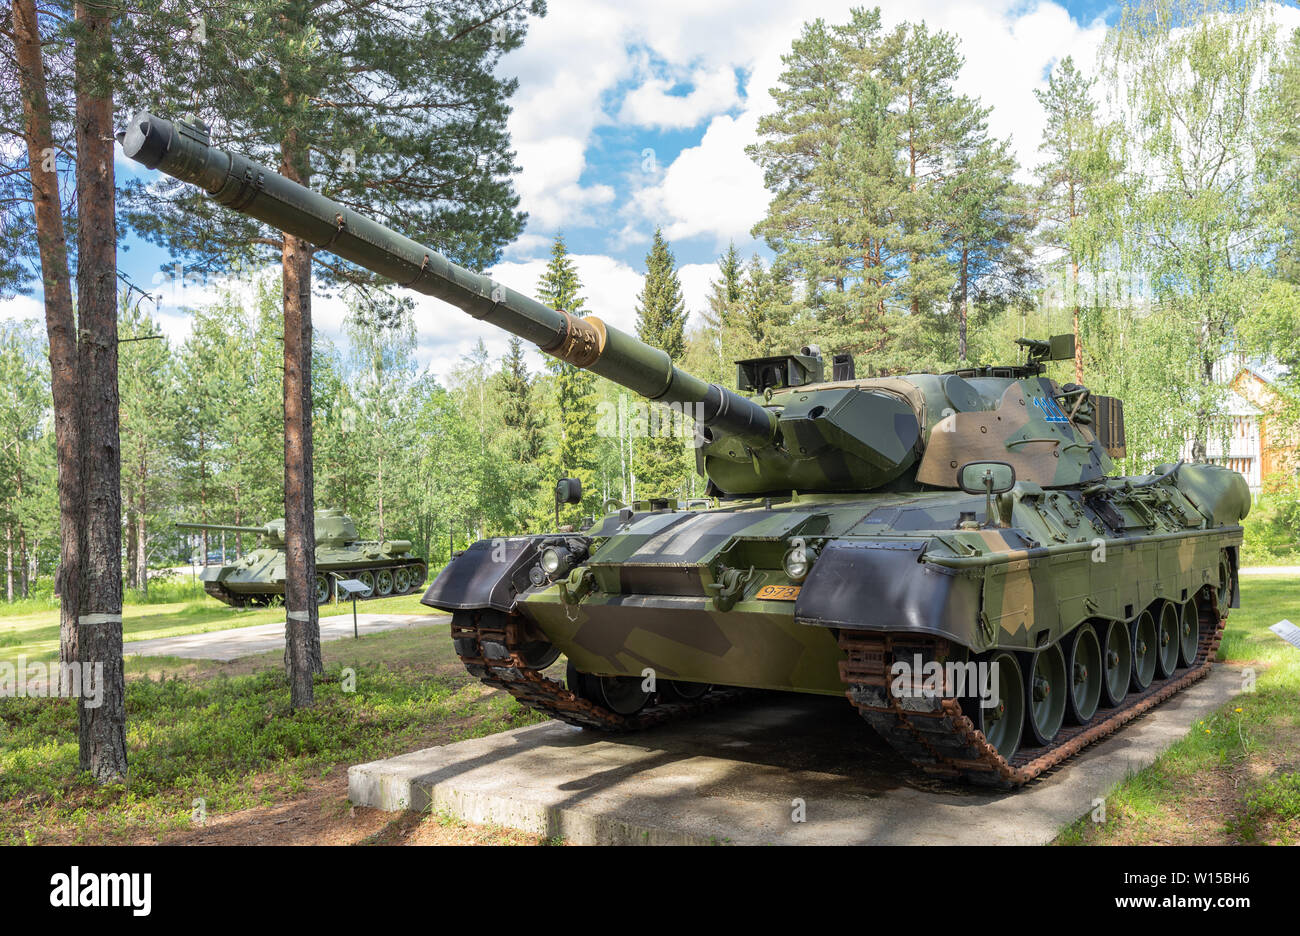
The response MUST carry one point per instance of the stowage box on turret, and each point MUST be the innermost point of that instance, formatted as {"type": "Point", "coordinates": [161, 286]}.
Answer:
{"type": "Point", "coordinates": [951, 551]}
{"type": "Point", "coordinates": [258, 576]}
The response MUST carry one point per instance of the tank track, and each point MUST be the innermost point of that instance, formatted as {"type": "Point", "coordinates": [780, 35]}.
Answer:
{"type": "Point", "coordinates": [492, 646]}
{"type": "Point", "coordinates": [935, 735]}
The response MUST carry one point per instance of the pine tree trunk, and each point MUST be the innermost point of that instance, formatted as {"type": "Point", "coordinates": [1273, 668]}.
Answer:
{"type": "Point", "coordinates": [103, 727]}
{"type": "Point", "coordinates": [60, 326]}
{"type": "Point", "coordinates": [1078, 341]}
{"type": "Point", "coordinates": [203, 496]}
{"type": "Point", "coordinates": [302, 628]}
{"type": "Point", "coordinates": [961, 325]}
{"type": "Point", "coordinates": [22, 530]}
{"type": "Point", "coordinates": [132, 574]}
{"type": "Point", "coordinates": [9, 562]}
{"type": "Point", "coordinates": [23, 560]}
{"type": "Point", "coordinates": [142, 544]}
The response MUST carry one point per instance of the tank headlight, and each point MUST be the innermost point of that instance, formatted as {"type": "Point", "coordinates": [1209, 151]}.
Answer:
{"type": "Point", "coordinates": [798, 560]}
{"type": "Point", "coordinates": [556, 560]}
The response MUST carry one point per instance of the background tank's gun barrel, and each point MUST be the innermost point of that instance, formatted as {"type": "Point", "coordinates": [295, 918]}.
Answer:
{"type": "Point", "coordinates": [182, 150]}
{"type": "Point", "coordinates": [267, 530]}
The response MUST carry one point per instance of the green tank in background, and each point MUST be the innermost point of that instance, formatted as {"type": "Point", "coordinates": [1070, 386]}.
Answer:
{"type": "Point", "coordinates": [257, 578]}
{"type": "Point", "coordinates": [951, 551]}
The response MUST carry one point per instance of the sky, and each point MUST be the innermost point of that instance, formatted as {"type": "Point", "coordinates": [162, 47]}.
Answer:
{"type": "Point", "coordinates": [630, 116]}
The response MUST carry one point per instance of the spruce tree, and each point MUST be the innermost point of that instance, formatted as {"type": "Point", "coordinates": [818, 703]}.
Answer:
{"type": "Point", "coordinates": [575, 388]}
{"type": "Point", "coordinates": [660, 460]}
{"type": "Point", "coordinates": [720, 315]}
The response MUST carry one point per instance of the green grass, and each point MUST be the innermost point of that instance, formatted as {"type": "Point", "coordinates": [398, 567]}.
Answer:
{"type": "Point", "coordinates": [31, 628]}
{"type": "Point", "coordinates": [1233, 778]}
{"type": "Point", "coordinates": [232, 740]}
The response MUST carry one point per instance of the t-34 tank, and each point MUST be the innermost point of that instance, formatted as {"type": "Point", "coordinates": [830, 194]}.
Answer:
{"type": "Point", "coordinates": [258, 577]}
{"type": "Point", "coordinates": [951, 551]}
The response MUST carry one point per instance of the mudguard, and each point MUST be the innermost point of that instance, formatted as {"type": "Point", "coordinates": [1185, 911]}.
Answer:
{"type": "Point", "coordinates": [490, 574]}
{"type": "Point", "coordinates": [883, 585]}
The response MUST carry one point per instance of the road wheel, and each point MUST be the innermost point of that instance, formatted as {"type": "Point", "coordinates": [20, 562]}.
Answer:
{"type": "Point", "coordinates": [1225, 583]}
{"type": "Point", "coordinates": [620, 694]}
{"type": "Point", "coordinates": [322, 589]}
{"type": "Point", "coordinates": [1002, 721]}
{"type": "Point", "coordinates": [674, 690]}
{"type": "Point", "coordinates": [384, 581]}
{"type": "Point", "coordinates": [1189, 633]}
{"type": "Point", "coordinates": [1146, 648]}
{"type": "Point", "coordinates": [401, 580]}
{"type": "Point", "coordinates": [367, 578]}
{"type": "Point", "coordinates": [1086, 675]}
{"type": "Point", "coordinates": [1117, 657]}
{"type": "Point", "coordinates": [1046, 690]}
{"type": "Point", "coordinates": [1167, 658]}
{"type": "Point", "coordinates": [417, 573]}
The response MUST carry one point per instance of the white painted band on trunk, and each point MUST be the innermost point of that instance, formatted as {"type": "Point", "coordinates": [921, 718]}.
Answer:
{"type": "Point", "coordinates": [300, 615]}
{"type": "Point", "coordinates": [100, 619]}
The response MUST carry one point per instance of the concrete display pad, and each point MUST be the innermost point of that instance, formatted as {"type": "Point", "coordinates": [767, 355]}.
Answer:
{"type": "Point", "coordinates": [235, 642]}
{"type": "Point", "coordinates": [737, 776]}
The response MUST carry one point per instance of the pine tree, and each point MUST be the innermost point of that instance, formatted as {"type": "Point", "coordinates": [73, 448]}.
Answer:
{"type": "Point", "coordinates": [986, 231]}
{"type": "Point", "coordinates": [858, 157]}
{"type": "Point", "coordinates": [575, 388]}
{"type": "Point", "coordinates": [824, 196]}
{"type": "Point", "coordinates": [398, 113]}
{"type": "Point", "coordinates": [1075, 180]}
{"type": "Point", "coordinates": [921, 68]}
{"type": "Point", "coordinates": [660, 461]}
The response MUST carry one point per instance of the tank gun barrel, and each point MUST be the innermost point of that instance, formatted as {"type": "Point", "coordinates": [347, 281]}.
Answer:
{"type": "Point", "coordinates": [227, 527]}
{"type": "Point", "coordinates": [183, 150]}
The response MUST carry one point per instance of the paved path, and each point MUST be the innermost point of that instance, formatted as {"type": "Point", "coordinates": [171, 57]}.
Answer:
{"type": "Point", "coordinates": [739, 775]}
{"type": "Point", "coordinates": [1270, 570]}
{"type": "Point", "coordinates": [242, 641]}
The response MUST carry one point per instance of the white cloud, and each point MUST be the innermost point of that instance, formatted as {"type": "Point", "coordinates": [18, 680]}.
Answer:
{"type": "Point", "coordinates": [21, 308]}
{"type": "Point", "coordinates": [446, 333]}
{"type": "Point", "coordinates": [685, 56]}
{"type": "Point", "coordinates": [656, 103]}
{"type": "Point", "coordinates": [548, 186]}
{"type": "Point", "coordinates": [712, 189]}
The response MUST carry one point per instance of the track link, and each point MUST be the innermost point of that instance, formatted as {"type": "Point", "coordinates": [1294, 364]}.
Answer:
{"type": "Point", "coordinates": [494, 647]}
{"type": "Point", "coordinates": [935, 735]}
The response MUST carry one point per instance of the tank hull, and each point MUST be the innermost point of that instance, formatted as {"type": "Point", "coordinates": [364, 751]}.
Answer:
{"type": "Point", "coordinates": [899, 579]}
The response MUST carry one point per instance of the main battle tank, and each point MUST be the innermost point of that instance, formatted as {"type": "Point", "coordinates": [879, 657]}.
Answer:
{"type": "Point", "coordinates": [951, 551]}
{"type": "Point", "coordinates": [258, 577]}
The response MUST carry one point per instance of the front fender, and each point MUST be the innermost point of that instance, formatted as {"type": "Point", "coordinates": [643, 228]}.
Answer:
{"type": "Point", "coordinates": [489, 574]}
{"type": "Point", "coordinates": [885, 585]}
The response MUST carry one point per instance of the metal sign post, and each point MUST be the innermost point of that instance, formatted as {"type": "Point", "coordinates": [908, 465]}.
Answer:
{"type": "Point", "coordinates": [350, 588]}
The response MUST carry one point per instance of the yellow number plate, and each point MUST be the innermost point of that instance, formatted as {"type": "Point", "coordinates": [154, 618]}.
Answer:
{"type": "Point", "coordinates": [778, 592]}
